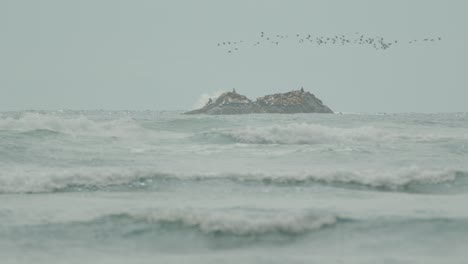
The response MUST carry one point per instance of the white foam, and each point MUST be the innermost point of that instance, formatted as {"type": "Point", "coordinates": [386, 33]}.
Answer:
{"type": "Point", "coordinates": [305, 133]}
{"type": "Point", "coordinates": [389, 179]}
{"type": "Point", "coordinates": [36, 179]}
{"type": "Point", "coordinates": [241, 223]}
{"type": "Point", "coordinates": [302, 133]}
{"type": "Point", "coordinates": [77, 125]}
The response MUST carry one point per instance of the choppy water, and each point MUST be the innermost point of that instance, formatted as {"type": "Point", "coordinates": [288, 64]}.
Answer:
{"type": "Point", "coordinates": [160, 187]}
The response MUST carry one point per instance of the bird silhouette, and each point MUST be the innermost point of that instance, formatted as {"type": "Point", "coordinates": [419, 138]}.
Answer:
{"type": "Point", "coordinates": [358, 39]}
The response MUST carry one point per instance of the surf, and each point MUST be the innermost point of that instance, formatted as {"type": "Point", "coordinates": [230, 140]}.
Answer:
{"type": "Point", "coordinates": [411, 179]}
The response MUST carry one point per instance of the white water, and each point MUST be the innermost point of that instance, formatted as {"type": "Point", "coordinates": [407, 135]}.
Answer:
{"type": "Point", "coordinates": [111, 187]}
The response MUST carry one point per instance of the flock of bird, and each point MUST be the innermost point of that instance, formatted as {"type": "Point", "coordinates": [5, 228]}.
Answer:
{"type": "Point", "coordinates": [378, 43]}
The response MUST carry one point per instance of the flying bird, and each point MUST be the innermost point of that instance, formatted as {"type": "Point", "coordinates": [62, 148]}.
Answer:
{"type": "Point", "coordinates": [359, 39]}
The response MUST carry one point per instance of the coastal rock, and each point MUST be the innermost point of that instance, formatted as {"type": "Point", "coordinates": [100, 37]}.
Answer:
{"type": "Point", "coordinates": [232, 103]}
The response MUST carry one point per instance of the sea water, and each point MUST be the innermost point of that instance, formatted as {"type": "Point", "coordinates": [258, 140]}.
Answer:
{"type": "Point", "coordinates": [162, 187]}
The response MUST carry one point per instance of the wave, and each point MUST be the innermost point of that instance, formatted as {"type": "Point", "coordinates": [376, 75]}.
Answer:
{"type": "Point", "coordinates": [203, 99]}
{"type": "Point", "coordinates": [235, 223]}
{"type": "Point", "coordinates": [304, 133]}
{"type": "Point", "coordinates": [297, 133]}
{"type": "Point", "coordinates": [76, 125]}
{"type": "Point", "coordinates": [402, 179]}
{"type": "Point", "coordinates": [183, 230]}
{"type": "Point", "coordinates": [40, 180]}
{"type": "Point", "coordinates": [413, 179]}
{"type": "Point", "coordinates": [238, 222]}
{"type": "Point", "coordinates": [178, 229]}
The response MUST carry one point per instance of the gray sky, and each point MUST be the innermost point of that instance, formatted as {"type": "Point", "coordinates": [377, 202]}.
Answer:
{"type": "Point", "coordinates": [163, 55]}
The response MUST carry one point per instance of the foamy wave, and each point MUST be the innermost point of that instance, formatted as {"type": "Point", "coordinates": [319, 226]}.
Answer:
{"type": "Point", "coordinates": [386, 179]}
{"type": "Point", "coordinates": [239, 223]}
{"type": "Point", "coordinates": [78, 125]}
{"type": "Point", "coordinates": [37, 180]}
{"type": "Point", "coordinates": [300, 133]}
{"type": "Point", "coordinates": [304, 133]}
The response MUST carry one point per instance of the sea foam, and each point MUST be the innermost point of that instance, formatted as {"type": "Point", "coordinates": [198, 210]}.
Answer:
{"type": "Point", "coordinates": [305, 133]}
{"type": "Point", "coordinates": [39, 180]}
{"type": "Point", "coordinates": [237, 223]}
{"type": "Point", "coordinates": [76, 125]}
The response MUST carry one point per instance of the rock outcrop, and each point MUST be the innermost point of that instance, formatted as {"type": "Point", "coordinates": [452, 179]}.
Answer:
{"type": "Point", "coordinates": [232, 103]}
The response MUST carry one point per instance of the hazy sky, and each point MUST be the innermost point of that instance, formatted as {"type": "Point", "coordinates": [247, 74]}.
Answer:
{"type": "Point", "coordinates": [163, 55]}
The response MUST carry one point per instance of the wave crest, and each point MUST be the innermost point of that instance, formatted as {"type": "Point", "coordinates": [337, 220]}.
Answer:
{"type": "Point", "coordinates": [299, 133]}
{"type": "Point", "coordinates": [305, 133]}
{"type": "Point", "coordinates": [237, 223]}
{"type": "Point", "coordinates": [37, 180]}
{"type": "Point", "coordinates": [77, 125]}
{"type": "Point", "coordinates": [403, 179]}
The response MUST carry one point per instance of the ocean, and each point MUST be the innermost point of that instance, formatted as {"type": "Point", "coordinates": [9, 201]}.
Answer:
{"type": "Point", "coordinates": [162, 187]}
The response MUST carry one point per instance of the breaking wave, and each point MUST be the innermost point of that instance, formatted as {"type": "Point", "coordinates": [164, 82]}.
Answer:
{"type": "Point", "coordinates": [203, 99]}
{"type": "Point", "coordinates": [304, 133]}
{"type": "Point", "coordinates": [184, 228]}
{"type": "Point", "coordinates": [389, 180]}
{"type": "Point", "coordinates": [37, 180]}
{"type": "Point", "coordinates": [297, 134]}
{"type": "Point", "coordinates": [78, 125]}
{"type": "Point", "coordinates": [236, 223]}
{"type": "Point", "coordinates": [114, 179]}
{"type": "Point", "coordinates": [196, 228]}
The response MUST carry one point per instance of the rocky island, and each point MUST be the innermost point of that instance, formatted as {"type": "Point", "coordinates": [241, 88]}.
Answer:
{"type": "Point", "coordinates": [232, 103]}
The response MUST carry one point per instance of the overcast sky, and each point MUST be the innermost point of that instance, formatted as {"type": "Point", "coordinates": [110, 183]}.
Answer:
{"type": "Point", "coordinates": [163, 55]}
